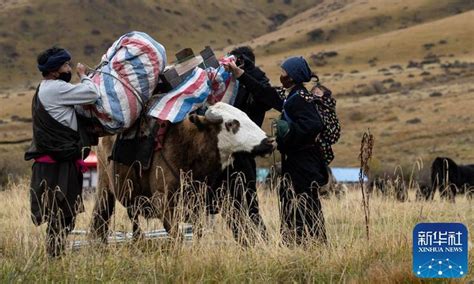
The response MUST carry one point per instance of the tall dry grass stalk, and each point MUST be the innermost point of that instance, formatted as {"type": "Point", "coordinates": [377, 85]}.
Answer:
{"type": "Point", "coordinates": [216, 257]}
{"type": "Point", "coordinates": [366, 147]}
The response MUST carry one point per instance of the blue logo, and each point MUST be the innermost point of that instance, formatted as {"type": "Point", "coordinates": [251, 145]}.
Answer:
{"type": "Point", "coordinates": [440, 250]}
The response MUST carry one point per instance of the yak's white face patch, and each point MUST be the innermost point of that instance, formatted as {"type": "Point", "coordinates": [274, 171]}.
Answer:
{"type": "Point", "coordinates": [238, 134]}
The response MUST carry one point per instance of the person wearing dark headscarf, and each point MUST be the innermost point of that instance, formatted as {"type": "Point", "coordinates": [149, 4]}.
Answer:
{"type": "Point", "coordinates": [239, 179]}
{"type": "Point", "coordinates": [58, 146]}
{"type": "Point", "coordinates": [303, 166]}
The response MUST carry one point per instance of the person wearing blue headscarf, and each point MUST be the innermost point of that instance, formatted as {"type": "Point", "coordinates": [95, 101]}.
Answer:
{"type": "Point", "coordinates": [303, 166]}
{"type": "Point", "coordinates": [59, 146]}
{"type": "Point", "coordinates": [297, 71]}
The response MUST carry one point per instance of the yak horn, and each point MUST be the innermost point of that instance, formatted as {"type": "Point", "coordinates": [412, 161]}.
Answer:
{"type": "Point", "coordinates": [213, 118]}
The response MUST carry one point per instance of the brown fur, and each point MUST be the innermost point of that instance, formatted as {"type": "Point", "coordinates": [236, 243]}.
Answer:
{"type": "Point", "coordinates": [190, 146]}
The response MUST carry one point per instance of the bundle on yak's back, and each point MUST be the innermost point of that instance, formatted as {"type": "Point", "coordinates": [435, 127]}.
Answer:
{"type": "Point", "coordinates": [196, 84]}
{"type": "Point", "coordinates": [126, 78]}
{"type": "Point", "coordinates": [129, 73]}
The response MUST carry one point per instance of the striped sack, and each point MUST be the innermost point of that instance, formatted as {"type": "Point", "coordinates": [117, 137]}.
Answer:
{"type": "Point", "coordinates": [200, 88]}
{"type": "Point", "coordinates": [126, 78]}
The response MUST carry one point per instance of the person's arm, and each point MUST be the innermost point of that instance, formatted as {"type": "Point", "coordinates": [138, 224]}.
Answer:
{"type": "Point", "coordinates": [265, 93]}
{"type": "Point", "coordinates": [83, 93]}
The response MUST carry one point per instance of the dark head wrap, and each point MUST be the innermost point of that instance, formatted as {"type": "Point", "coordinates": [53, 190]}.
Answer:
{"type": "Point", "coordinates": [298, 69]}
{"type": "Point", "coordinates": [54, 60]}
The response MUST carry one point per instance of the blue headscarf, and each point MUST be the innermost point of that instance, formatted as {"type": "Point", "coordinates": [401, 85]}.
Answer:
{"type": "Point", "coordinates": [55, 61]}
{"type": "Point", "coordinates": [298, 69]}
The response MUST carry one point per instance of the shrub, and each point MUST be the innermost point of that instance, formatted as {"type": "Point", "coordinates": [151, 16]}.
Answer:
{"type": "Point", "coordinates": [316, 35]}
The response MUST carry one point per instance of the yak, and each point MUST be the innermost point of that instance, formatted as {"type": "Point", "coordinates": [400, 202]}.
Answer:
{"type": "Point", "coordinates": [199, 147]}
{"type": "Point", "coordinates": [450, 178]}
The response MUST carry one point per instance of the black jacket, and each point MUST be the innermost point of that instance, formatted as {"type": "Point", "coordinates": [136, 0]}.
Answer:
{"type": "Point", "coordinates": [303, 119]}
{"type": "Point", "coordinates": [52, 138]}
{"type": "Point", "coordinates": [265, 93]}
{"type": "Point", "coordinates": [305, 122]}
{"type": "Point", "coordinates": [247, 99]}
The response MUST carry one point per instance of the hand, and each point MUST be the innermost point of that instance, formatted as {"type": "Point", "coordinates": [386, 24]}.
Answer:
{"type": "Point", "coordinates": [81, 70]}
{"type": "Point", "coordinates": [232, 67]}
{"type": "Point", "coordinates": [282, 128]}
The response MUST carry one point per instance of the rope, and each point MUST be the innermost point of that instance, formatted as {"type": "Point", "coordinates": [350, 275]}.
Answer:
{"type": "Point", "coordinates": [128, 86]}
{"type": "Point", "coordinates": [273, 127]}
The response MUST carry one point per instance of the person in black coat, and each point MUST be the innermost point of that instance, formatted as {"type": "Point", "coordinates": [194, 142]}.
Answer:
{"type": "Point", "coordinates": [239, 179]}
{"type": "Point", "coordinates": [60, 143]}
{"type": "Point", "coordinates": [303, 167]}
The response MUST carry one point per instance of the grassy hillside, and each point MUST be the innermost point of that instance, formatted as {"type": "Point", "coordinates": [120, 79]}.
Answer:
{"type": "Point", "coordinates": [403, 69]}
{"type": "Point", "coordinates": [363, 30]}
{"type": "Point", "coordinates": [382, 59]}
{"type": "Point", "coordinates": [88, 27]}
{"type": "Point", "coordinates": [383, 63]}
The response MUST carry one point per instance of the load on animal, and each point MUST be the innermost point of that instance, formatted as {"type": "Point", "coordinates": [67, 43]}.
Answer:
{"type": "Point", "coordinates": [153, 114]}
{"type": "Point", "coordinates": [167, 132]}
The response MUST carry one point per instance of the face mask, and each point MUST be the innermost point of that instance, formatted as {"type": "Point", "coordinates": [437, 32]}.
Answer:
{"type": "Point", "coordinates": [240, 62]}
{"type": "Point", "coordinates": [286, 81]}
{"type": "Point", "coordinates": [66, 77]}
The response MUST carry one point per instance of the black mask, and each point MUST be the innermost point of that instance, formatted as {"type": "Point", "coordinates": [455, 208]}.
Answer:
{"type": "Point", "coordinates": [66, 77]}
{"type": "Point", "coordinates": [244, 62]}
{"type": "Point", "coordinates": [240, 62]}
{"type": "Point", "coordinates": [286, 81]}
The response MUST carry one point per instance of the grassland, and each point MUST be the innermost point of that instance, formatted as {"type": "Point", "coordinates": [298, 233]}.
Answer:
{"type": "Point", "coordinates": [402, 68]}
{"type": "Point", "coordinates": [348, 258]}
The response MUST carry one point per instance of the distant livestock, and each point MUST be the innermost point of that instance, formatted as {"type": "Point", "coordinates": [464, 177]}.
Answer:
{"type": "Point", "coordinates": [450, 179]}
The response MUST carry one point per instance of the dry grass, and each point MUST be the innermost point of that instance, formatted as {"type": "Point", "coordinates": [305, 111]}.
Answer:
{"type": "Point", "coordinates": [217, 258]}
{"type": "Point", "coordinates": [445, 129]}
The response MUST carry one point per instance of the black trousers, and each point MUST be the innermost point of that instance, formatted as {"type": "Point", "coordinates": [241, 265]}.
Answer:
{"type": "Point", "coordinates": [239, 193]}
{"type": "Point", "coordinates": [301, 212]}
{"type": "Point", "coordinates": [57, 231]}
{"type": "Point", "coordinates": [56, 198]}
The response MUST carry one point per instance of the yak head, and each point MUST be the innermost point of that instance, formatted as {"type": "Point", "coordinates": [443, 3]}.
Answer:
{"type": "Point", "coordinates": [236, 132]}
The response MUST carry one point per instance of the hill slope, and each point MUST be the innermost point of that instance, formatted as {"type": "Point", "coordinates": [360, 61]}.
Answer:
{"type": "Point", "coordinates": [360, 30]}
{"type": "Point", "coordinates": [88, 27]}
{"type": "Point", "coordinates": [402, 68]}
